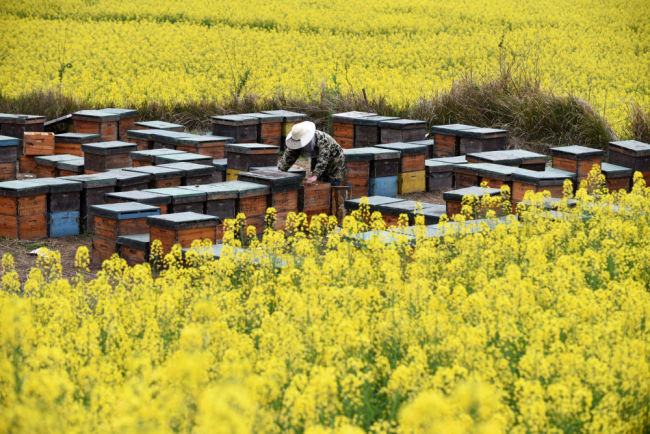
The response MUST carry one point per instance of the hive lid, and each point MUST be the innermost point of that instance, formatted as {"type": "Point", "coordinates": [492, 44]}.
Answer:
{"type": "Point", "coordinates": [159, 125]}
{"type": "Point", "coordinates": [137, 241]}
{"type": "Point", "coordinates": [402, 123]}
{"type": "Point", "coordinates": [450, 129]}
{"type": "Point", "coordinates": [243, 187]}
{"type": "Point", "coordinates": [216, 190]}
{"type": "Point", "coordinates": [435, 164]}
{"type": "Point", "coordinates": [141, 196]}
{"type": "Point", "coordinates": [177, 193]}
{"type": "Point", "coordinates": [349, 117]}
{"type": "Point", "coordinates": [236, 118]}
{"type": "Point", "coordinates": [635, 146]}
{"type": "Point", "coordinates": [550, 174]}
{"type": "Point", "coordinates": [457, 195]}
{"type": "Point", "coordinates": [157, 172]}
{"type": "Point", "coordinates": [221, 164]}
{"type": "Point", "coordinates": [51, 160]}
{"type": "Point", "coordinates": [576, 152]}
{"type": "Point", "coordinates": [151, 154]}
{"type": "Point", "coordinates": [287, 116]}
{"type": "Point", "coordinates": [76, 138]}
{"type": "Point", "coordinates": [359, 154]}
{"type": "Point", "coordinates": [405, 148]}
{"type": "Point", "coordinates": [494, 169]}
{"type": "Point", "coordinates": [373, 121]}
{"type": "Point", "coordinates": [402, 206]}
{"type": "Point", "coordinates": [108, 148]}
{"type": "Point", "coordinates": [95, 180]}
{"type": "Point", "coordinates": [72, 165]}
{"type": "Point", "coordinates": [20, 119]}
{"type": "Point", "coordinates": [373, 201]}
{"type": "Point", "coordinates": [183, 157]}
{"type": "Point", "coordinates": [460, 159]}
{"type": "Point", "coordinates": [125, 177]}
{"type": "Point", "coordinates": [265, 118]}
{"type": "Point", "coordinates": [9, 141]}
{"type": "Point", "coordinates": [247, 148]}
{"type": "Point", "coordinates": [99, 115]}
{"type": "Point", "coordinates": [610, 170]}
{"type": "Point", "coordinates": [124, 210]}
{"type": "Point", "coordinates": [384, 154]}
{"type": "Point", "coordinates": [121, 112]}
{"type": "Point", "coordinates": [509, 157]}
{"type": "Point", "coordinates": [272, 178]}
{"type": "Point", "coordinates": [191, 169]}
{"type": "Point", "coordinates": [483, 133]}
{"type": "Point", "coordinates": [58, 185]}
{"type": "Point", "coordinates": [182, 219]}
{"type": "Point", "coordinates": [433, 210]}
{"type": "Point", "coordinates": [297, 170]}
{"type": "Point", "coordinates": [425, 142]}
{"type": "Point", "coordinates": [140, 134]}
{"type": "Point", "coordinates": [196, 139]}
{"type": "Point", "coordinates": [22, 188]}
{"type": "Point", "coordinates": [167, 137]}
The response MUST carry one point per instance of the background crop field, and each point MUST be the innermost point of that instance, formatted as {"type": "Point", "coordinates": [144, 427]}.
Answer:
{"type": "Point", "coordinates": [169, 50]}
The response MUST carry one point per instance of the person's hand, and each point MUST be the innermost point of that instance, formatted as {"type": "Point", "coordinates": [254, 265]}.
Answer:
{"type": "Point", "coordinates": [311, 179]}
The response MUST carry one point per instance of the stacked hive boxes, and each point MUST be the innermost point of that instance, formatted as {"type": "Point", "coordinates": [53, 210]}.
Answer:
{"type": "Point", "coordinates": [242, 156]}
{"type": "Point", "coordinates": [357, 171]}
{"type": "Point", "coordinates": [94, 187]}
{"type": "Point", "coordinates": [63, 204]}
{"type": "Point", "coordinates": [412, 176]}
{"type": "Point", "coordinates": [16, 125]}
{"type": "Point", "coordinates": [384, 172]}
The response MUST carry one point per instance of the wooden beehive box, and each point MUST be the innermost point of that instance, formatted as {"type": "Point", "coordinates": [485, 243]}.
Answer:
{"type": "Point", "coordinates": [193, 174]}
{"type": "Point", "coordinates": [440, 175]}
{"type": "Point", "coordinates": [46, 165]}
{"type": "Point", "coordinates": [142, 138]}
{"type": "Point", "coordinates": [551, 180]}
{"type": "Point", "coordinates": [617, 177]}
{"type": "Point", "coordinates": [185, 157]}
{"type": "Point", "coordinates": [511, 157]}
{"type": "Point", "coordinates": [163, 139]}
{"type": "Point", "coordinates": [114, 220]}
{"type": "Point", "coordinates": [315, 198]}
{"type": "Point", "coordinates": [71, 167]}
{"type": "Point", "coordinates": [243, 156]}
{"type": "Point", "coordinates": [8, 157]}
{"type": "Point", "coordinates": [384, 172]}
{"type": "Point", "coordinates": [94, 187]}
{"type": "Point", "coordinates": [126, 121]}
{"type": "Point", "coordinates": [148, 157]}
{"type": "Point", "coordinates": [97, 122]}
{"type": "Point", "coordinates": [402, 130]}
{"type": "Point", "coordinates": [284, 188]}
{"type": "Point", "coordinates": [16, 125]}
{"type": "Point", "coordinates": [482, 140]}
{"type": "Point", "coordinates": [577, 159]}
{"type": "Point", "coordinates": [23, 210]}
{"type": "Point", "coordinates": [374, 202]}
{"type": "Point", "coordinates": [289, 119]}
{"type": "Point", "coordinates": [632, 154]}
{"type": "Point", "coordinates": [269, 128]}
{"type": "Point", "coordinates": [63, 204]}
{"type": "Point", "coordinates": [212, 146]}
{"type": "Point", "coordinates": [182, 200]}
{"type": "Point", "coordinates": [432, 213]}
{"type": "Point", "coordinates": [221, 199]}
{"type": "Point", "coordinates": [127, 180]}
{"type": "Point", "coordinates": [411, 156]}
{"type": "Point", "coordinates": [60, 125]}
{"type": "Point", "coordinates": [160, 177]}
{"type": "Point", "coordinates": [391, 211]}
{"type": "Point", "coordinates": [242, 128]}
{"type": "Point", "coordinates": [466, 175]}
{"type": "Point", "coordinates": [367, 131]}
{"type": "Point", "coordinates": [446, 139]}
{"type": "Point", "coordinates": [183, 228]}
{"type": "Point", "coordinates": [252, 201]}
{"type": "Point", "coordinates": [102, 156]}
{"type": "Point", "coordinates": [221, 166]}
{"type": "Point", "coordinates": [428, 143]}
{"type": "Point", "coordinates": [70, 143]}
{"type": "Point", "coordinates": [357, 171]}
{"type": "Point", "coordinates": [343, 127]}
{"type": "Point", "coordinates": [38, 143]}
{"type": "Point", "coordinates": [161, 201]}
{"type": "Point", "coordinates": [159, 125]}
{"type": "Point", "coordinates": [495, 175]}
{"type": "Point", "coordinates": [454, 198]}
{"type": "Point", "coordinates": [134, 249]}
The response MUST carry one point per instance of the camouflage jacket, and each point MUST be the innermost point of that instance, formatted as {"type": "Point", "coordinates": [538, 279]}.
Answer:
{"type": "Point", "coordinates": [327, 159]}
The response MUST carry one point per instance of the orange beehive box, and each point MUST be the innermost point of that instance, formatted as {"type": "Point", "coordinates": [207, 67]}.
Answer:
{"type": "Point", "coordinates": [576, 159]}
{"type": "Point", "coordinates": [97, 122]}
{"type": "Point", "coordinates": [183, 228]}
{"type": "Point", "coordinates": [23, 209]}
{"type": "Point", "coordinates": [38, 143]}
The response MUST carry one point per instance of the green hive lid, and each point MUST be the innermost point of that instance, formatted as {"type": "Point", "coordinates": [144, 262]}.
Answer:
{"type": "Point", "coordinates": [77, 138]}
{"type": "Point", "coordinates": [124, 210]}
{"type": "Point", "coordinates": [9, 141]}
{"type": "Point", "coordinates": [72, 165]}
{"type": "Point", "coordinates": [182, 220]}
{"type": "Point", "coordinates": [383, 154]}
{"type": "Point", "coordinates": [183, 157]}
{"type": "Point", "coordinates": [402, 123]}
{"type": "Point", "coordinates": [611, 170]}
{"type": "Point", "coordinates": [405, 148]}
{"type": "Point", "coordinates": [450, 129]}
{"type": "Point", "coordinates": [191, 169]}
{"type": "Point", "coordinates": [373, 202]}
{"type": "Point", "coordinates": [58, 185]}
{"type": "Point", "coordinates": [157, 172]}
{"type": "Point", "coordinates": [373, 121]}
{"type": "Point", "coordinates": [576, 151]}
{"type": "Point", "coordinates": [141, 196]}
{"type": "Point", "coordinates": [272, 178]}
{"type": "Point", "coordinates": [244, 187]}
{"type": "Point", "coordinates": [22, 188]}
{"type": "Point", "coordinates": [159, 125]}
{"type": "Point", "coordinates": [494, 169]}
{"type": "Point", "coordinates": [126, 177]}
{"type": "Point", "coordinates": [287, 116]}
{"type": "Point", "coordinates": [137, 241]}
{"type": "Point", "coordinates": [359, 154]}
{"type": "Point", "coordinates": [247, 148]}
{"type": "Point", "coordinates": [511, 156]}
{"type": "Point", "coordinates": [460, 159]}
{"type": "Point", "coordinates": [237, 118]}
{"type": "Point", "coordinates": [402, 206]}
{"type": "Point", "coordinates": [19, 119]}
{"type": "Point", "coordinates": [151, 154]}
{"type": "Point", "coordinates": [265, 118]}
{"type": "Point", "coordinates": [550, 174]}
{"type": "Point", "coordinates": [109, 148]}
{"type": "Point", "coordinates": [297, 170]}
{"type": "Point", "coordinates": [51, 160]}
{"type": "Point", "coordinates": [435, 164]}
{"type": "Point", "coordinates": [177, 193]}
{"type": "Point", "coordinates": [167, 137]}
{"type": "Point", "coordinates": [197, 139]}
{"type": "Point", "coordinates": [95, 180]}
{"type": "Point", "coordinates": [639, 148]}
{"type": "Point", "coordinates": [482, 133]}
{"type": "Point", "coordinates": [221, 164]}
{"type": "Point", "coordinates": [349, 117]}
{"type": "Point", "coordinates": [215, 191]}
{"type": "Point", "coordinates": [122, 113]}
{"type": "Point", "coordinates": [457, 195]}
{"type": "Point", "coordinates": [100, 115]}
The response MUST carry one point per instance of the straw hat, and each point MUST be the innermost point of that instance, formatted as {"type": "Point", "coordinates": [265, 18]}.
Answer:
{"type": "Point", "coordinates": [300, 135]}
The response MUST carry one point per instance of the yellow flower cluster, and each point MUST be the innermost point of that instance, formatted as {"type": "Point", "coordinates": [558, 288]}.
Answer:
{"type": "Point", "coordinates": [539, 324]}
{"type": "Point", "coordinates": [170, 50]}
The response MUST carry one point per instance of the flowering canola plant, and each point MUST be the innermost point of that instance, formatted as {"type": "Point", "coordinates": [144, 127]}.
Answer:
{"type": "Point", "coordinates": [536, 324]}
{"type": "Point", "coordinates": [168, 50]}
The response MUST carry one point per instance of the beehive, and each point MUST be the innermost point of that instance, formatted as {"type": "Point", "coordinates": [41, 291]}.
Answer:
{"type": "Point", "coordinates": [430, 153]}
{"type": "Point", "coordinates": [432, 213]}
{"type": "Point", "coordinates": [373, 203]}
{"type": "Point", "coordinates": [8, 157]}
{"type": "Point", "coordinates": [402, 130]}
{"type": "Point", "coordinates": [16, 125]}
{"type": "Point", "coordinates": [252, 200]}
{"type": "Point", "coordinates": [26, 164]}
{"type": "Point", "coordinates": [466, 175]}
{"type": "Point", "coordinates": [160, 177]}
{"type": "Point", "coordinates": [315, 198]}
{"type": "Point", "coordinates": [212, 146]}
{"type": "Point", "coordinates": [38, 143]}
{"type": "Point", "coordinates": [161, 201]}
{"type": "Point", "coordinates": [269, 128]}
{"type": "Point", "coordinates": [617, 177]}
{"type": "Point", "coordinates": [46, 165]}
{"type": "Point", "coordinates": [182, 200]}
{"type": "Point", "coordinates": [134, 249]}
{"type": "Point", "coordinates": [183, 228]}
{"type": "Point", "coordinates": [454, 198]}
{"type": "Point", "coordinates": [193, 174]}
{"type": "Point", "coordinates": [97, 122]}
{"type": "Point", "coordinates": [114, 220]}
{"type": "Point", "coordinates": [242, 128]}
{"type": "Point", "coordinates": [284, 188]}
{"type": "Point", "coordinates": [148, 157]}
{"type": "Point", "coordinates": [477, 139]}
{"type": "Point", "coordinates": [576, 159]}
{"type": "Point", "coordinates": [23, 210]}
{"type": "Point", "coordinates": [343, 127]}
{"type": "Point", "coordinates": [70, 143]}
{"type": "Point", "coordinates": [367, 131]}
{"type": "Point", "coordinates": [220, 165]}
{"type": "Point", "coordinates": [126, 121]}
{"type": "Point", "coordinates": [357, 171]}
{"type": "Point", "coordinates": [102, 156]}
{"type": "Point", "coordinates": [384, 172]}
{"type": "Point", "coordinates": [159, 125]}
{"type": "Point", "coordinates": [632, 154]}
{"type": "Point", "coordinates": [60, 125]}
{"type": "Point", "coordinates": [184, 157]}
{"type": "Point", "coordinates": [127, 180]}
{"type": "Point", "coordinates": [71, 167]}
{"type": "Point", "coordinates": [496, 175]}
{"type": "Point", "coordinates": [243, 156]}
{"type": "Point", "coordinates": [511, 157]}
{"type": "Point", "coordinates": [163, 139]}
{"type": "Point", "coordinates": [142, 138]}
{"type": "Point", "coordinates": [446, 139]}
{"type": "Point", "coordinates": [551, 180]}
{"type": "Point", "coordinates": [94, 187]}
{"type": "Point", "coordinates": [440, 175]}
{"type": "Point", "coordinates": [412, 175]}
{"type": "Point", "coordinates": [221, 199]}
{"type": "Point", "coordinates": [289, 119]}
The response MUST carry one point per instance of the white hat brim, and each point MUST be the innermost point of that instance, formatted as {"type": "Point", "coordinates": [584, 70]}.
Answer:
{"type": "Point", "coordinates": [304, 140]}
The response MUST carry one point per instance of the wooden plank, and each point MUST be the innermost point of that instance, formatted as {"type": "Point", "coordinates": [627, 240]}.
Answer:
{"type": "Point", "coordinates": [38, 143]}
{"type": "Point", "coordinates": [7, 171]}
